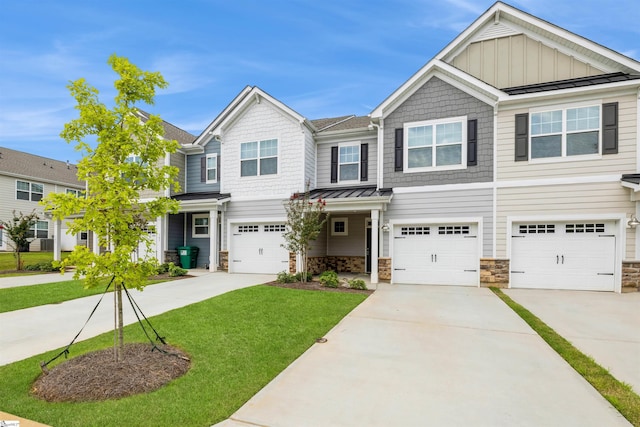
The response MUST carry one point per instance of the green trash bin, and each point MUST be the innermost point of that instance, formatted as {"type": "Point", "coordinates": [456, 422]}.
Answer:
{"type": "Point", "coordinates": [188, 256]}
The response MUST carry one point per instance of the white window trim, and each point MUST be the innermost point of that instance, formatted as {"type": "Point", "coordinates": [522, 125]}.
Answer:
{"type": "Point", "coordinates": [193, 226]}
{"type": "Point", "coordinates": [564, 158]}
{"type": "Point", "coordinates": [258, 158]}
{"type": "Point", "coordinates": [350, 144]}
{"type": "Point", "coordinates": [346, 226]}
{"type": "Point", "coordinates": [30, 190]}
{"type": "Point", "coordinates": [35, 229]}
{"type": "Point", "coordinates": [206, 168]}
{"type": "Point", "coordinates": [405, 148]}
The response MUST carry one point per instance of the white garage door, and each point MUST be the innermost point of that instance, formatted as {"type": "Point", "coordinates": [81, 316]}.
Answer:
{"type": "Point", "coordinates": [562, 255]}
{"type": "Point", "coordinates": [256, 248]}
{"type": "Point", "coordinates": [436, 254]}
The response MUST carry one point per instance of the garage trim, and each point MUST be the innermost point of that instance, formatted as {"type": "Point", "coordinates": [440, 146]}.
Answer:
{"type": "Point", "coordinates": [621, 235]}
{"type": "Point", "coordinates": [438, 221]}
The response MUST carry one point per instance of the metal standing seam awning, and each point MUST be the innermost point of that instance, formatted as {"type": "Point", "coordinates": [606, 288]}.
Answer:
{"type": "Point", "coordinates": [353, 198]}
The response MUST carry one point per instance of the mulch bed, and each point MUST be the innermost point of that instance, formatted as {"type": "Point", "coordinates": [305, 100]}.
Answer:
{"type": "Point", "coordinates": [97, 376]}
{"type": "Point", "coordinates": [317, 286]}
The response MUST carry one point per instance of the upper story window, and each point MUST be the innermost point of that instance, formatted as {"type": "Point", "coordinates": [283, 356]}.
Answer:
{"type": "Point", "coordinates": [259, 158]}
{"type": "Point", "coordinates": [29, 191]}
{"type": "Point", "coordinates": [77, 193]}
{"type": "Point", "coordinates": [349, 162]}
{"type": "Point", "coordinates": [435, 145]}
{"type": "Point", "coordinates": [565, 132]}
{"type": "Point", "coordinates": [212, 168]}
{"type": "Point", "coordinates": [200, 225]}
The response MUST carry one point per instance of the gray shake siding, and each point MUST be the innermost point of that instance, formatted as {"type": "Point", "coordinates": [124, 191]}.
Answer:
{"type": "Point", "coordinates": [442, 205]}
{"type": "Point", "coordinates": [439, 100]}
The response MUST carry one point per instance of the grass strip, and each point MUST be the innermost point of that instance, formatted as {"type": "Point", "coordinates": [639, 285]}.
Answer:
{"type": "Point", "coordinates": [238, 342]}
{"type": "Point", "coordinates": [21, 297]}
{"type": "Point", "coordinates": [619, 394]}
{"type": "Point", "coordinates": [8, 261]}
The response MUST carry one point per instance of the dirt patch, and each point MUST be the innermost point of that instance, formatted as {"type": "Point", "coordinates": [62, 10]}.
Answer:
{"type": "Point", "coordinates": [97, 376]}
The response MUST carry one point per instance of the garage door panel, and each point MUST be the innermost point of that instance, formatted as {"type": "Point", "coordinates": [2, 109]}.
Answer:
{"type": "Point", "coordinates": [257, 248]}
{"type": "Point", "coordinates": [578, 256]}
{"type": "Point", "coordinates": [435, 254]}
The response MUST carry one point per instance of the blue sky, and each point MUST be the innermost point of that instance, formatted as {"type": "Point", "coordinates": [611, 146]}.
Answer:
{"type": "Point", "coordinates": [323, 58]}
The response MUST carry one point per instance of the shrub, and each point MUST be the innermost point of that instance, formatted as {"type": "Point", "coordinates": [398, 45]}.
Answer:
{"type": "Point", "coordinates": [329, 279]}
{"type": "Point", "coordinates": [301, 276]}
{"type": "Point", "coordinates": [284, 277]}
{"type": "Point", "coordinates": [357, 284]}
{"type": "Point", "coordinates": [163, 268]}
{"type": "Point", "coordinates": [41, 266]}
{"type": "Point", "coordinates": [175, 271]}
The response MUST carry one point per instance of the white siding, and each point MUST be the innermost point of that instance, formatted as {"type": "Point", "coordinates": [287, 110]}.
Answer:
{"type": "Point", "coordinates": [623, 162]}
{"type": "Point", "coordinates": [562, 201]}
{"type": "Point", "coordinates": [260, 122]}
{"type": "Point", "coordinates": [262, 209]}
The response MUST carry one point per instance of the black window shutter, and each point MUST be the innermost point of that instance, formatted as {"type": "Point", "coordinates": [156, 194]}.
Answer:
{"type": "Point", "coordinates": [399, 150]}
{"type": "Point", "coordinates": [610, 128]}
{"type": "Point", "coordinates": [203, 169]}
{"type": "Point", "coordinates": [364, 162]}
{"type": "Point", "coordinates": [522, 137]}
{"type": "Point", "coordinates": [218, 168]}
{"type": "Point", "coordinates": [334, 164]}
{"type": "Point", "coordinates": [472, 142]}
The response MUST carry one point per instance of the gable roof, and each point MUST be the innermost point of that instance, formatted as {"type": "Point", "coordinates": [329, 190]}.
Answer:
{"type": "Point", "coordinates": [341, 123]}
{"type": "Point", "coordinates": [170, 131]}
{"type": "Point", "coordinates": [37, 168]}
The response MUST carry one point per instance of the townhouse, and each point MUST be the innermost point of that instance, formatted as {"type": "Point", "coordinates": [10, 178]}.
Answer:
{"type": "Point", "coordinates": [510, 159]}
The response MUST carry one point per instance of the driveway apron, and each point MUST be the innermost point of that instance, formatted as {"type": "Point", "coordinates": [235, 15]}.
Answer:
{"type": "Point", "coordinates": [425, 355]}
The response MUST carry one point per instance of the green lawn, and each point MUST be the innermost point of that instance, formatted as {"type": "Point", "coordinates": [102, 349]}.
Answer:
{"type": "Point", "coordinates": [8, 262]}
{"type": "Point", "coordinates": [49, 293]}
{"type": "Point", "coordinates": [238, 342]}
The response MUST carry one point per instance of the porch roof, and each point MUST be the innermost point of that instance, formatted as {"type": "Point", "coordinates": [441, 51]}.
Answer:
{"type": "Point", "coordinates": [571, 83]}
{"type": "Point", "coordinates": [351, 193]}
{"type": "Point", "coordinates": [201, 196]}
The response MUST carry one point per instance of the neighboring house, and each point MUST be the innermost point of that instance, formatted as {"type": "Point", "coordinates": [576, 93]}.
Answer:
{"type": "Point", "coordinates": [24, 180]}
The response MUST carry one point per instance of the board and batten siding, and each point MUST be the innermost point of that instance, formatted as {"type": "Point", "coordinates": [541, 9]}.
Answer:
{"type": "Point", "coordinates": [437, 99]}
{"type": "Point", "coordinates": [262, 121]}
{"type": "Point", "coordinates": [518, 60]}
{"type": "Point", "coordinates": [608, 198]}
{"type": "Point", "coordinates": [194, 184]}
{"type": "Point", "coordinates": [622, 162]}
{"type": "Point", "coordinates": [324, 163]}
{"type": "Point", "coordinates": [444, 204]}
{"type": "Point", "coordinates": [263, 209]}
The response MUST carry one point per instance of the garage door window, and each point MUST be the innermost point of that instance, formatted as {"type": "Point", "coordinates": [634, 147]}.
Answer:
{"type": "Point", "coordinates": [274, 228]}
{"type": "Point", "coordinates": [248, 229]}
{"type": "Point", "coordinates": [453, 229]}
{"type": "Point", "coordinates": [537, 229]}
{"type": "Point", "coordinates": [415, 231]}
{"type": "Point", "coordinates": [584, 228]}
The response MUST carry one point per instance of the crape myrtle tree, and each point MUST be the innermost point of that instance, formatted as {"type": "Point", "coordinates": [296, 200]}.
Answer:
{"type": "Point", "coordinates": [19, 230]}
{"type": "Point", "coordinates": [305, 219]}
{"type": "Point", "coordinates": [111, 207]}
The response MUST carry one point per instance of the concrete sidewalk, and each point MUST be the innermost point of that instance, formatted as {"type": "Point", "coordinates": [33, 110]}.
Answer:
{"type": "Point", "coordinates": [34, 279]}
{"type": "Point", "coordinates": [24, 333]}
{"type": "Point", "coordinates": [603, 325]}
{"type": "Point", "coordinates": [428, 355]}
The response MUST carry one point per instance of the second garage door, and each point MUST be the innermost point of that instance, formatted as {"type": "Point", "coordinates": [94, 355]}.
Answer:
{"type": "Point", "coordinates": [256, 248]}
{"type": "Point", "coordinates": [440, 254]}
{"type": "Point", "coordinates": [563, 255]}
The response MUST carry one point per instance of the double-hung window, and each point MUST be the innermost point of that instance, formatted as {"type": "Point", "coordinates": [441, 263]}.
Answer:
{"type": "Point", "coordinates": [200, 225]}
{"type": "Point", "coordinates": [39, 229]}
{"type": "Point", "coordinates": [77, 193]}
{"type": "Point", "coordinates": [565, 132]}
{"type": "Point", "coordinates": [29, 191]}
{"type": "Point", "coordinates": [212, 168]}
{"type": "Point", "coordinates": [435, 145]}
{"type": "Point", "coordinates": [259, 158]}
{"type": "Point", "coordinates": [349, 162]}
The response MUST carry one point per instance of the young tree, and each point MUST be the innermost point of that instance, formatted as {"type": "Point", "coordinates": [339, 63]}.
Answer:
{"type": "Point", "coordinates": [111, 208]}
{"type": "Point", "coordinates": [304, 222]}
{"type": "Point", "coordinates": [19, 232]}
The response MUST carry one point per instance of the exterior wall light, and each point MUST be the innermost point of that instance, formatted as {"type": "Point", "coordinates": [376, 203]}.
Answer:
{"type": "Point", "coordinates": [633, 222]}
{"type": "Point", "coordinates": [385, 227]}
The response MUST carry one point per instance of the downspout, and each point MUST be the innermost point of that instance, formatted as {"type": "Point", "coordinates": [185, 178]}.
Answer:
{"type": "Point", "coordinates": [495, 182]}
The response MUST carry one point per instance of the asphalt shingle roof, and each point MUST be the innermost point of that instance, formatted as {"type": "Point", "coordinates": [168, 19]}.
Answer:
{"type": "Point", "coordinates": [341, 123]}
{"type": "Point", "coordinates": [171, 131]}
{"type": "Point", "coordinates": [31, 166]}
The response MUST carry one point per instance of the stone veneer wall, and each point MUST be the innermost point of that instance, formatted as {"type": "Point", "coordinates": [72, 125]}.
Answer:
{"type": "Point", "coordinates": [494, 272]}
{"type": "Point", "coordinates": [292, 263]}
{"type": "Point", "coordinates": [384, 269]}
{"type": "Point", "coordinates": [171, 256]}
{"type": "Point", "coordinates": [630, 276]}
{"type": "Point", "coordinates": [224, 260]}
{"type": "Point", "coordinates": [339, 264]}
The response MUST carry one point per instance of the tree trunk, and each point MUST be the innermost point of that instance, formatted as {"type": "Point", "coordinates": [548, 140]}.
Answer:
{"type": "Point", "coordinates": [120, 323]}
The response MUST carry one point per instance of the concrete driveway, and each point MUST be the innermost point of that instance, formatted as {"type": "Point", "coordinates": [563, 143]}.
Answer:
{"type": "Point", "coordinates": [603, 325]}
{"type": "Point", "coordinates": [425, 355]}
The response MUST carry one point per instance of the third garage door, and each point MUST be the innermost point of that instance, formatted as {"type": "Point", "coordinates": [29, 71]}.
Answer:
{"type": "Point", "coordinates": [440, 254]}
{"type": "Point", "coordinates": [564, 255]}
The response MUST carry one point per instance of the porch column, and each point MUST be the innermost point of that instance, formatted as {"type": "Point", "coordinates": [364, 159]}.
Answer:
{"type": "Point", "coordinates": [213, 239]}
{"type": "Point", "coordinates": [96, 244]}
{"type": "Point", "coordinates": [161, 243]}
{"type": "Point", "coordinates": [57, 240]}
{"type": "Point", "coordinates": [375, 227]}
